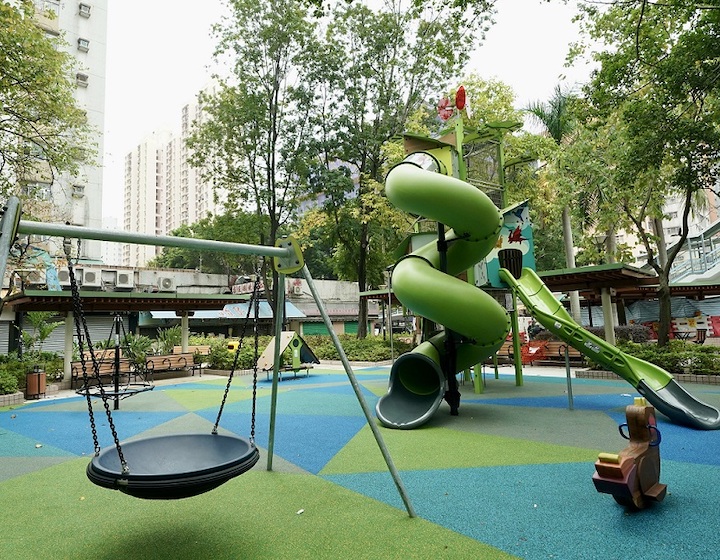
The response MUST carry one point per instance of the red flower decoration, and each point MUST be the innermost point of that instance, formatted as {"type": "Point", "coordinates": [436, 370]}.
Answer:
{"type": "Point", "coordinates": [445, 109]}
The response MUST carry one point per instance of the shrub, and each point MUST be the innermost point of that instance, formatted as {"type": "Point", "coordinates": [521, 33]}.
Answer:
{"type": "Point", "coordinates": [167, 339]}
{"type": "Point", "coordinates": [12, 366]}
{"type": "Point", "coordinates": [370, 349]}
{"type": "Point", "coordinates": [8, 383]}
{"type": "Point", "coordinates": [222, 358]}
{"type": "Point", "coordinates": [678, 356]}
{"type": "Point", "coordinates": [624, 333]}
{"type": "Point", "coordinates": [137, 348]}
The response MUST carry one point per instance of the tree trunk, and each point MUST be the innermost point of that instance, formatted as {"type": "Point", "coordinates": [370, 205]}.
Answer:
{"type": "Point", "coordinates": [362, 283]}
{"type": "Point", "coordinates": [570, 260]}
{"type": "Point", "coordinates": [611, 245]}
{"type": "Point", "coordinates": [661, 246]}
{"type": "Point", "coordinates": [665, 310]}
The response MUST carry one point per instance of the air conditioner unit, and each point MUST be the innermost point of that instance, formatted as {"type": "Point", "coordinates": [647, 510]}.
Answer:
{"type": "Point", "coordinates": [125, 280]}
{"type": "Point", "coordinates": [64, 276]}
{"type": "Point", "coordinates": [297, 290]}
{"type": "Point", "coordinates": [166, 284]}
{"type": "Point", "coordinates": [31, 278]}
{"type": "Point", "coordinates": [91, 279]}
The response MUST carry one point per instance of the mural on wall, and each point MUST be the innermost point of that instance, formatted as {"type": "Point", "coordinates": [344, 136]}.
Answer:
{"type": "Point", "coordinates": [516, 234]}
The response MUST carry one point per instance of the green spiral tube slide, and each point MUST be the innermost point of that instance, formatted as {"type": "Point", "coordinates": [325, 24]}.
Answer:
{"type": "Point", "coordinates": [418, 379]}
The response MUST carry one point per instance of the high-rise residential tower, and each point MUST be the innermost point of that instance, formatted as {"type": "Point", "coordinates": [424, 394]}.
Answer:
{"type": "Point", "coordinates": [83, 27]}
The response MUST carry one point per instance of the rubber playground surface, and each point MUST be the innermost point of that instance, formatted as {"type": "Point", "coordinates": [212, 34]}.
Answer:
{"type": "Point", "coordinates": [510, 477]}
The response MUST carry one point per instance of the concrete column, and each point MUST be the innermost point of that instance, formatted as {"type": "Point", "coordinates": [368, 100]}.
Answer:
{"type": "Point", "coordinates": [607, 308]}
{"type": "Point", "coordinates": [184, 329]}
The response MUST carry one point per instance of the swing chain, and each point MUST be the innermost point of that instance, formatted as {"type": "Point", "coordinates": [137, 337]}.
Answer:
{"type": "Point", "coordinates": [256, 290]}
{"type": "Point", "coordinates": [82, 328]}
{"type": "Point", "coordinates": [254, 303]}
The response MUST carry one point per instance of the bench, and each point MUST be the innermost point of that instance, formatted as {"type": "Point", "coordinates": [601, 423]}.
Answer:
{"type": "Point", "coordinates": [555, 354]}
{"type": "Point", "coordinates": [169, 362]}
{"type": "Point", "coordinates": [105, 370]}
{"type": "Point", "coordinates": [505, 355]}
{"type": "Point", "coordinates": [295, 370]}
{"type": "Point", "coordinates": [196, 350]}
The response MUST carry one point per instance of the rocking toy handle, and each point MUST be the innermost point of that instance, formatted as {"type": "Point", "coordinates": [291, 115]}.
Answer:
{"type": "Point", "coordinates": [653, 442]}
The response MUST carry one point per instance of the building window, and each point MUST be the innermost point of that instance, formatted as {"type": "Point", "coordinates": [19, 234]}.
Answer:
{"type": "Point", "coordinates": [83, 45]}
{"type": "Point", "coordinates": [52, 6]}
{"type": "Point", "coordinates": [81, 79]}
{"type": "Point", "coordinates": [84, 10]}
{"type": "Point", "coordinates": [38, 190]}
{"type": "Point", "coordinates": [78, 191]}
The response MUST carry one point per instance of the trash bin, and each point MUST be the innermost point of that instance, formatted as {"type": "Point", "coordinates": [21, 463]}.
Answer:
{"type": "Point", "coordinates": [35, 383]}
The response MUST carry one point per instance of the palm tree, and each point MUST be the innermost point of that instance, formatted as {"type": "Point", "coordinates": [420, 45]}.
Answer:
{"type": "Point", "coordinates": [556, 118]}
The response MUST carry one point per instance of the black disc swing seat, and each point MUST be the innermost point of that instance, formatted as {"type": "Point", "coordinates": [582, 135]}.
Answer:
{"type": "Point", "coordinates": [173, 466]}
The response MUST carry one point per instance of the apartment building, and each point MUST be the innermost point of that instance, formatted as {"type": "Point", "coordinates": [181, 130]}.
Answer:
{"type": "Point", "coordinates": [145, 208]}
{"type": "Point", "coordinates": [162, 190]}
{"type": "Point", "coordinates": [83, 26]}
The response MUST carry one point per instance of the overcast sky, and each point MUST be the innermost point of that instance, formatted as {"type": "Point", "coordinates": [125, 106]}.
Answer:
{"type": "Point", "coordinates": [158, 54]}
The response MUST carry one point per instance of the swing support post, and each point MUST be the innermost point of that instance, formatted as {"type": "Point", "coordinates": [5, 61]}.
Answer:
{"type": "Point", "coordinates": [276, 365]}
{"type": "Point", "coordinates": [360, 397]}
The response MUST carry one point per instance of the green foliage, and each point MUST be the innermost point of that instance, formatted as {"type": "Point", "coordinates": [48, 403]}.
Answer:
{"type": "Point", "coordinates": [369, 349]}
{"type": "Point", "coordinates": [136, 348]}
{"type": "Point", "coordinates": [223, 358]}
{"type": "Point", "coordinates": [167, 339]}
{"type": "Point", "coordinates": [371, 76]}
{"type": "Point", "coordinates": [12, 373]}
{"type": "Point", "coordinates": [234, 225]}
{"type": "Point", "coordinates": [651, 126]}
{"type": "Point", "coordinates": [8, 383]}
{"type": "Point", "coordinates": [43, 128]}
{"type": "Point", "coordinates": [42, 328]}
{"type": "Point", "coordinates": [631, 333]}
{"type": "Point", "coordinates": [13, 369]}
{"type": "Point", "coordinates": [678, 356]}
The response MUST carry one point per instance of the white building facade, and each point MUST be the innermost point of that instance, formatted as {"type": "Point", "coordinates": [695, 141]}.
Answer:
{"type": "Point", "coordinates": [162, 190]}
{"type": "Point", "coordinates": [83, 26]}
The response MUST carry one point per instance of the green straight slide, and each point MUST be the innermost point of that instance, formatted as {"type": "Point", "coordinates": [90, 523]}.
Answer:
{"type": "Point", "coordinates": [651, 381]}
{"type": "Point", "coordinates": [418, 379]}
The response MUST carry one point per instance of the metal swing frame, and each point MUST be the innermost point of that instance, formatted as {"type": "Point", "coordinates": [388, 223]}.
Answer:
{"type": "Point", "coordinates": [287, 259]}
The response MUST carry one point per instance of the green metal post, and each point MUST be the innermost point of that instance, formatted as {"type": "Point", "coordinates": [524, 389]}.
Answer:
{"type": "Point", "coordinates": [516, 342]}
{"type": "Point", "coordinates": [360, 397]}
{"type": "Point", "coordinates": [276, 366]}
{"type": "Point", "coordinates": [119, 236]}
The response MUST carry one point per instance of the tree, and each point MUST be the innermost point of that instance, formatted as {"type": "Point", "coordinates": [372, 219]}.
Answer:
{"type": "Point", "coordinates": [235, 226]}
{"type": "Point", "coordinates": [251, 142]}
{"type": "Point", "coordinates": [657, 85]}
{"type": "Point", "coordinates": [42, 130]}
{"type": "Point", "coordinates": [42, 328]}
{"type": "Point", "coordinates": [377, 69]}
{"type": "Point", "coordinates": [556, 117]}
{"type": "Point", "coordinates": [525, 180]}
